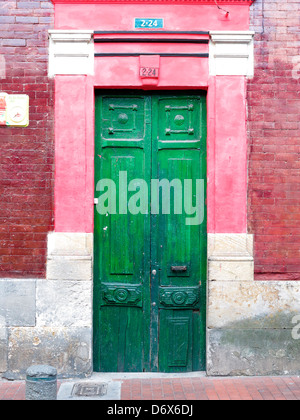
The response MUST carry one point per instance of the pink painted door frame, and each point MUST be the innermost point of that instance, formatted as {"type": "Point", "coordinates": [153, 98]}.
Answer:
{"type": "Point", "coordinates": [74, 113]}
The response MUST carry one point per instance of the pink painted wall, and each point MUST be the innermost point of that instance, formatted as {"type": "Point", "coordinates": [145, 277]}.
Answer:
{"type": "Point", "coordinates": [74, 154]}
{"type": "Point", "coordinates": [226, 101]}
{"type": "Point", "coordinates": [227, 155]}
{"type": "Point", "coordinates": [175, 73]}
{"type": "Point", "coordinates": [117, 17]}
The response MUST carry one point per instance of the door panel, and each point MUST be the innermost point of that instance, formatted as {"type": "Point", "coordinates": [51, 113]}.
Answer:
{"type": "Point", "coordinates": [150, 267]}
{"type": "Point", "coordinates": [122, 255]}
{"type": "Point", "coordinates": [178, 241]}
{"type": "Point", "coordinates": [121, 343]}
{"type": "Point", "coordinates": [179, 123]}
{"type": "Point", "coordinates": [175, 342]}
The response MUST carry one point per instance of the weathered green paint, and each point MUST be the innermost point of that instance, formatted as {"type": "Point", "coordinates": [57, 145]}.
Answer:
{"type": "Point", "coordinates": [150, 269]}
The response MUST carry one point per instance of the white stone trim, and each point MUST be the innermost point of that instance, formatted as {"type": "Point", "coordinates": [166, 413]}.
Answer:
{"type": "Point", "coordinates": [230, 257]}
{"type": "Point", "coordinates": [70, 244]}
{"type": "Point", "coordinates": [231, 53]}
{"type": "Point", "coordinates": [70, 256]}
{"type": "Point", "coordinates": [71, 52]}
{"type": "Point", "coordinates": [230, 246]}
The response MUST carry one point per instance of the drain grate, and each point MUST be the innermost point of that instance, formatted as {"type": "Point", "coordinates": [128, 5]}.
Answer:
{"type": "Point", "coordinates": [90, 389]}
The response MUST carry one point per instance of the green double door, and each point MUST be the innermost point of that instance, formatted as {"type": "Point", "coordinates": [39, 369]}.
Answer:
{"type": "Point", "coordinates": [150, 232]}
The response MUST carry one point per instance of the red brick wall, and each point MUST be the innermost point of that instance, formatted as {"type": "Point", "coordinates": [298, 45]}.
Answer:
{"type": "Point", "coordinates": [274, 139]}
{"type": "Point", "coordinates": [26, 157]}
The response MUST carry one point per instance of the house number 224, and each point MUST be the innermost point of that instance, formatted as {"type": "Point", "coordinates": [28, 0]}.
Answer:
{"type": "Point", "coordinates": [149, 23]}
{"type": "Point", "coordinates": [149, 72]}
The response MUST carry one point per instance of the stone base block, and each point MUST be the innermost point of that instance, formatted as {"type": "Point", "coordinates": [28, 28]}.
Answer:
{"type": "Point", "coordinates": [72, 244]}
{"type": "Point", "coordinates": [64, 303]}
{"type": "Point", "coordinates": [234, 352]}
{"type": "Point", "coordinates": [231, 270]}
{"type": "Point", "coordinates": [251, 328]}
{"type": "Point", "coordinates": [229, 245]}
{"type": "Point", "coordinates": [230, 257]}
{"type": "Point", "coordinates": [250, 324]}
{"type": "Point", "coordinates": [50, 321]}
{"type": "Point", "coordinates": [66, 349]}
{"type": "Point", "coordinates": [69, 268]}
{"type": "Point", "coordinates": [3, 346]}
{"type": "Point", "coordinates": [70, 256]}
{"type": "Point", "coordinates": [17, 302]}
{"type": "Point", "coordinates": [260, 305]}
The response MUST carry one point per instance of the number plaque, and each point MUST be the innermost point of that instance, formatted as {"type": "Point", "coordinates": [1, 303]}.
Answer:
{"type": "Point", "coordinates": [149, 23]}
{"type": "Point", "coordinates": [149, 72]}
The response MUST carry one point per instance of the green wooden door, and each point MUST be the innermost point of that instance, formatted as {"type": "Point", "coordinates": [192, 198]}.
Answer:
{"type": "Point", "coordinates": [150, 232]}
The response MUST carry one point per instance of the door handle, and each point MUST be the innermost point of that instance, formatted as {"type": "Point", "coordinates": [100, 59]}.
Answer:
{"type": "Point", "coordinates": [179, 268]}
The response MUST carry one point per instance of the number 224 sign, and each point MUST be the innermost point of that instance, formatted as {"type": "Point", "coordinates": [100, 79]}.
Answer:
{"type": "Point", "coordinates": [149, 23]}
{"type": "Point", "coordinates": [149, 72]}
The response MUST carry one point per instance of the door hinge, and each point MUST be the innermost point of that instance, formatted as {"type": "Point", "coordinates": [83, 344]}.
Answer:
{"type": "Point", "coordinates": [96, 200]}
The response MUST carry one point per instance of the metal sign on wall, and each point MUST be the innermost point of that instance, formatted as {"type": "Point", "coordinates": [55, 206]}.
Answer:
{"type": "Point", "coordinates": [14, 110]}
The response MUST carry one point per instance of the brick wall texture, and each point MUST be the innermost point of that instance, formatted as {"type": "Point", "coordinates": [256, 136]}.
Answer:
{"type": "Point", "coordinates": [26, 154]}
{"type": "Point", "coordinates": [26, 159]}
{"type": "Point", "coordinates": [274, 139]}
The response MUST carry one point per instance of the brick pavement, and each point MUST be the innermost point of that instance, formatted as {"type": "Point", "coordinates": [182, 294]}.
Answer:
{"type": "Point", "coordinates": [191, 388]}
{"type": "Point", "coordinates": [206, 388]}
{"type": "Point", "coordinates": [12, 390]}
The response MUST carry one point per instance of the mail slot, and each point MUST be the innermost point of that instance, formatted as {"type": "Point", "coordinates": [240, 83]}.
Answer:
{"type": "Point", "coordinates": [179, 268]}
